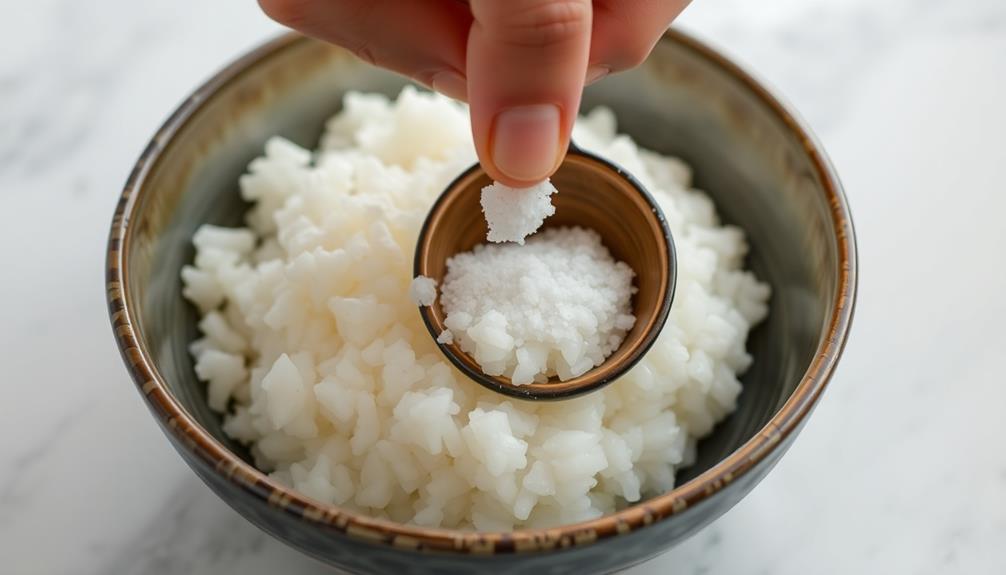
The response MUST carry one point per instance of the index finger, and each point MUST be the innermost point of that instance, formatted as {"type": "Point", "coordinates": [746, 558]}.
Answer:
{"type": "Point", "coordinates": [418, 38]}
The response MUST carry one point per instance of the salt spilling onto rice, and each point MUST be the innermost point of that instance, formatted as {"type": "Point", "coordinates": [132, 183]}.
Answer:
{"type": "Point", "coordinates": [558, 305]}
{"type": "Point", "coordinates": [423, 291]}
{"type": "Point", "coordinates": [313, 350]}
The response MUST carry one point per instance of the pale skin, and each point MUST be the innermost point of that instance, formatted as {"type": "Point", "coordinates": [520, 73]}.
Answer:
{"type": "Point", "coordinates": [520, 64]}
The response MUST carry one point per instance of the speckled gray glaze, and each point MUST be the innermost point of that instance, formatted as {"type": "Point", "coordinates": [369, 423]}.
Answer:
{"type": "Point", "coordinates": [762, 167]}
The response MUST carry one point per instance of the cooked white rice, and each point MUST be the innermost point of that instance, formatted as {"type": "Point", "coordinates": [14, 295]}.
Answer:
{"type": "Point", "coordinates": [316, 355]}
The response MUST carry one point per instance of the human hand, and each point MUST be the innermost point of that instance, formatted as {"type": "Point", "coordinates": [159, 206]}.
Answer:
{"type": "Point", "coordinates": [520, 64]}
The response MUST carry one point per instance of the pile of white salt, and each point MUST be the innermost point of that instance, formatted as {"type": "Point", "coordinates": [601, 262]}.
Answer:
{"type": "Point", "coordinates": [558, 305]}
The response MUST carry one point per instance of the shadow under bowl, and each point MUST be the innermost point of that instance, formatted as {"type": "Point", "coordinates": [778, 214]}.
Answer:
{"type": "Point", "coordinates": [749, 151]}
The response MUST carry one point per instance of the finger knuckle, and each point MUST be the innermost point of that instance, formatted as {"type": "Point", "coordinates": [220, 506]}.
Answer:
{"type": "Point", "coordinates": [545, 23]}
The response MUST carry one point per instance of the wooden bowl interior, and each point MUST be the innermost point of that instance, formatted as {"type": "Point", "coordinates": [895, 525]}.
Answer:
{"type": "Point", "coordinates": [593, 195]}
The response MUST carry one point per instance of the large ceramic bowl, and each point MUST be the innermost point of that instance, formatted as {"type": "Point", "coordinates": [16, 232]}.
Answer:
{"type": "Point", "coordinates": [762, 166]}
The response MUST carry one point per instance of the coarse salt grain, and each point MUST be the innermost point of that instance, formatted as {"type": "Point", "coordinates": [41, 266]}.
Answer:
{"type": "Point", "coordinates": [515, 213]}
{"type": "Point", "coordinates": [423, 291]}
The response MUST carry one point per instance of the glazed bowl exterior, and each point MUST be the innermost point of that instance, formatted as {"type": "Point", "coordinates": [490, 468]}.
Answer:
{"type": "Point", "coordinates": [750, 152]}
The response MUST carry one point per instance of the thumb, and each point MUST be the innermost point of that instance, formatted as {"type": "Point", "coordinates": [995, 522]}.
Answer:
{"type": "Point", "coordinates": [526, 63]}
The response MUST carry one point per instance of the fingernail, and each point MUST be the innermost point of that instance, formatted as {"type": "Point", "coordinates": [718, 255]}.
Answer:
{"type": "Point", "coordinates": [450, 84]}
{"type": "Point", "coordinates": [526, 141]}
{"type": "Point", "coordinates": [595, 73]}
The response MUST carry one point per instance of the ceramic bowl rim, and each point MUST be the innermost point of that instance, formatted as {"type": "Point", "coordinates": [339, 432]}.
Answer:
{"type": "Point", "coordinates": [199, 443]}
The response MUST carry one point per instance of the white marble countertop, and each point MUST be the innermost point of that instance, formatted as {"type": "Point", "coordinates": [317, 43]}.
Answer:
{"type": "Point", "coordinates": [902, 469]}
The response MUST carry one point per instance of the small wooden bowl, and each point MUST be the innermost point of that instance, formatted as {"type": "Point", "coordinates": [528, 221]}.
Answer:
{"type": "Point", "coordinates": [592, 193]}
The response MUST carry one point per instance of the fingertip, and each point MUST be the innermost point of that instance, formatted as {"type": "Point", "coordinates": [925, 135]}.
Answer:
{"type": "Point", "coordinates": [595, 73]}
{"type": "Point", "coordinates": [526, 142]}
{"type": "Point", "coordinates": [450, 84]}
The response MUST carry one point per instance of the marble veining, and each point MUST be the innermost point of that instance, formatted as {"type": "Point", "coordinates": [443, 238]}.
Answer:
{"type": "Point", "coordinates": [900, 470]}
{"type": "Point", "coordinates": [16, 488]}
